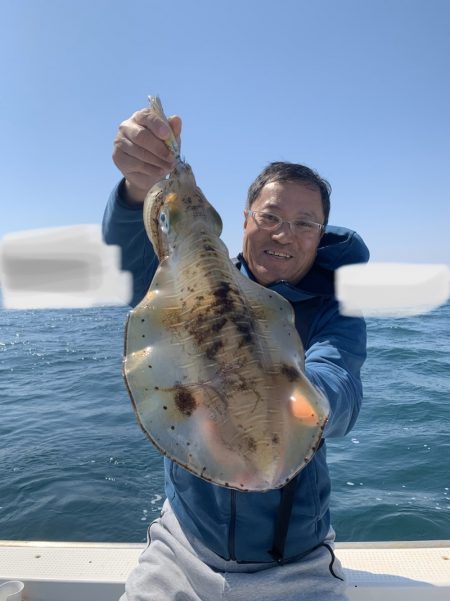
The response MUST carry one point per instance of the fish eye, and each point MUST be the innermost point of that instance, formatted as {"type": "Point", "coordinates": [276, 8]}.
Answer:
{"type": "Point", "coordinates": [164, 222]}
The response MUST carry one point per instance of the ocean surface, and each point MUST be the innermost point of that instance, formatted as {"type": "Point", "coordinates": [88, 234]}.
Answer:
{"type": "Point", "coordinates": [74, 464]}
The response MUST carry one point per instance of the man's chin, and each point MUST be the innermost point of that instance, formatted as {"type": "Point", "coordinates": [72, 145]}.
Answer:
{"type": "Point", "coordinates": [265, 276]}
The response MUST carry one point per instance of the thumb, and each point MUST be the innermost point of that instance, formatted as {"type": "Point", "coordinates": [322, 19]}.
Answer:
{"type": "Point", "coordinates": [175, 124]}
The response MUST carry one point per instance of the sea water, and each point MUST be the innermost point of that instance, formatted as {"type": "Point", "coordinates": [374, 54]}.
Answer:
{"type": "Point", "coordinates": [75, 466]}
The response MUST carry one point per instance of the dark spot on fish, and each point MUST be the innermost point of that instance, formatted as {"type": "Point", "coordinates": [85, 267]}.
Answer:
{"type": "Point", "coordinates": [223, 297]}
{"type": "Point", "coordinates": [150, 366]}
{"type": "Point", "coordinates": [198, 320]}
{"type": "Point", "coordinates": [218, 325]}
{"type": "Point", "coordinates": [184, 400]}
{"type": "Point", "coordinates": [197, 210]}
{"type": "Point", "coordinates": [156, 387]}
{"type": "Point", "coordinates": [242, 386]}
{"type": "Point", "coordinates": [208, 248]}
{"type": "Point", "coordinates": [275, 439]}
{"type": "Point", "coordinates": [142, 320]}
{"type": "Point", "coordinates": [212, 349]}
{"type": "Point", "coordinates": [290, 372]}
{"type": "Point", "coordinates": [172, 427]}
{"type": "Point", "coordinates": [226, 484]}
{"type": "Point", "coordinates": [251, 444]}
{"type": "Point", "coordinates": [143, 335]}
{"type": "Point", "coordinates": [196, 327]}
{"type": "Point", "coordinates": [188, 444]}
{"type": "Point", "coordinates": [165, 407]}
{"type": "Point", "coordinates": [246, 329]}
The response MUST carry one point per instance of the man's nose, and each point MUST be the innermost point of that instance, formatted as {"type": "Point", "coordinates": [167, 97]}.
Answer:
{"type": "Point", "coordinates": [283, 234]}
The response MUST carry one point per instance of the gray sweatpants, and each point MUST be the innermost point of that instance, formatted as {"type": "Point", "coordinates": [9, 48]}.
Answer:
{"type": "Point", "coordinates": [171, 568]}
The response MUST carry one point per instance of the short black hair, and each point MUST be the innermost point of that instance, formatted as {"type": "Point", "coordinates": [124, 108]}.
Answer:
{"type": "Point", "coordinates": [281, 171]}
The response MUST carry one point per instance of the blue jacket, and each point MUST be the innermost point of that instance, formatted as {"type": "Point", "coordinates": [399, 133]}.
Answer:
{"type": "Point", "coordinates": [241, 525]}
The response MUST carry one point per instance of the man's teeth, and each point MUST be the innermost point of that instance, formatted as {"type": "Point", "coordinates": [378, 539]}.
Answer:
{"type": "Point", "coordinates": [278, 254]}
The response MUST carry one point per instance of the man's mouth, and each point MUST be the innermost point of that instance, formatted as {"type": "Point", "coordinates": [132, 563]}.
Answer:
{"type": "Point", "coordinates": [278, 254]}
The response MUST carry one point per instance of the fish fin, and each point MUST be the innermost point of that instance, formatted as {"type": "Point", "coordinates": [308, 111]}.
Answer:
{"type": "Point", "coordinates": [276, 321]}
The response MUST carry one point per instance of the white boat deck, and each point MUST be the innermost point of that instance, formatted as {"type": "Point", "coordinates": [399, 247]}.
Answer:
{"type": "Point", "coordinates": [55, 571]}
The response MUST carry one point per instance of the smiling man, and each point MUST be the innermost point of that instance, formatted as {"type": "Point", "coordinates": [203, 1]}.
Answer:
{"type": "Point", "coordinates": [287, 208]}
{"type": "Point", "coordinates": [211, 542]}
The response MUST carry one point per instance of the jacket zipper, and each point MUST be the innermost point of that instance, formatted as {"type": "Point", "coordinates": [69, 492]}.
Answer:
{"type": "Point", "coordinates": [232, 529]}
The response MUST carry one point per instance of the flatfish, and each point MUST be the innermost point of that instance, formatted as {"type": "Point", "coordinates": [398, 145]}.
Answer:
{"type": "Point", "coordinates": [213, 362]}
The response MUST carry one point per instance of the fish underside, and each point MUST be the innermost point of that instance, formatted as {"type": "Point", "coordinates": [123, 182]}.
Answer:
{"type": "Point", "coordinates": [213, 362]}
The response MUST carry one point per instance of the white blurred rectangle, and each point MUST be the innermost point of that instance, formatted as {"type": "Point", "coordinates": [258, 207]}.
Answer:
{"type": "Point", "coordinates": [391, 289]}
{"type": "Point", "coordinates": [65, 267]}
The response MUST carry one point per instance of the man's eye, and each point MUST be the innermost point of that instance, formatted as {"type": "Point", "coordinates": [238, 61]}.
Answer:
{"type": "Point", "coordinates": [268, 218]}
{"type": "Point", "coordinates": [303, 225]}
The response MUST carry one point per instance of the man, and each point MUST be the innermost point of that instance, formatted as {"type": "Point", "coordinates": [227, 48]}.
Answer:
{"type": "Point", "coordinates": [210, 542]}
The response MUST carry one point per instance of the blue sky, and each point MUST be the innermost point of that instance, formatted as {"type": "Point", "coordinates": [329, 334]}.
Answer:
{"type": "Point", "coordinates": [359, 90]}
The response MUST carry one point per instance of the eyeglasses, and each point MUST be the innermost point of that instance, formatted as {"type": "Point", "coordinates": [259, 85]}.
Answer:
{"type": "Point", "coordinates": [271, 222]}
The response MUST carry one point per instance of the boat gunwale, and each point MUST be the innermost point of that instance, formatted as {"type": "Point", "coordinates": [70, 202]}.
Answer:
{"type": "Point", "coordinates": [395, 544]}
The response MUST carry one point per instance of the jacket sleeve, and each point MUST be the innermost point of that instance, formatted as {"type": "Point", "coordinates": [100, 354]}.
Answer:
{"type": "Point", "coordinates": [123, 225]}
{"type": "Point", "coordinates": [333, 363]}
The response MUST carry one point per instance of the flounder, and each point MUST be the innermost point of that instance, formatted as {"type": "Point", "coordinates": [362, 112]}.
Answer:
{"type": "Point", "coordinates": [213, 362]}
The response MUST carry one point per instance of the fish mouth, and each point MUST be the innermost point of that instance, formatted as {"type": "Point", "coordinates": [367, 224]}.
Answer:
{"type": "Point", "coordinates": [278, 254]}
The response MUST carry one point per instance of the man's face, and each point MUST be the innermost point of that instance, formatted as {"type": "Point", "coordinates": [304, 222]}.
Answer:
{"type": "Point", "coordinates": [280, 254]}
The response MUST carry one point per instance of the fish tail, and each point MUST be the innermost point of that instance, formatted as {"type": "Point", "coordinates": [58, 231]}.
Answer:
{"type": "Point", "coordinates": [171, 141]}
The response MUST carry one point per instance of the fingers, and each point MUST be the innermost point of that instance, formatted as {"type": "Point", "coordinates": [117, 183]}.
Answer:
{"type": "Point", "coordinates": [140, 152]}
{"type": "Point", "coordinates": [141, 174]}
{"type": "Point", "coordinates": [137, 138]}
{"type": "Point", "coordinates": [150, 132]}
{"type": "Point", "coordinates": [130, 151]}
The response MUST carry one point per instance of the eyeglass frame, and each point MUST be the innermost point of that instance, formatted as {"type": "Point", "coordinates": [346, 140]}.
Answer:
{"type": "Point", "coordinates": [320, 226]}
